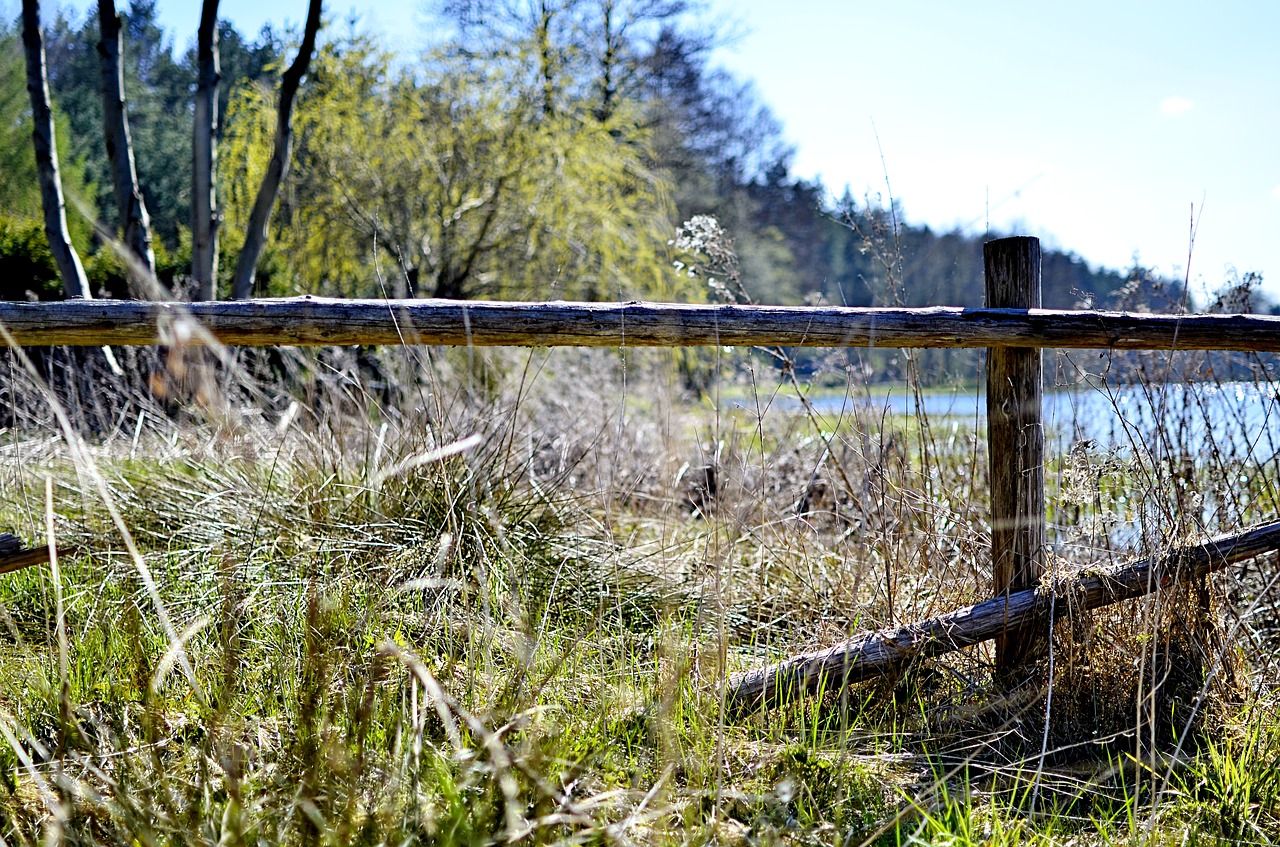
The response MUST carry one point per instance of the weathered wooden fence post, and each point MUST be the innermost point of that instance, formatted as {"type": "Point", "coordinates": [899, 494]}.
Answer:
{"type": "Point", "coordinates": [1016, 440]}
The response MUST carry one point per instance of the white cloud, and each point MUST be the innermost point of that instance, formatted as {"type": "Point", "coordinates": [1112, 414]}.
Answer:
{"type": "Point", "coordinates": [1275, 192]}
{"type": "Point", "coordinates": [1175, 105]}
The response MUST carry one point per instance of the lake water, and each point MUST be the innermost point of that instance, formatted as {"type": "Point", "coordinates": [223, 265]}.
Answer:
{"type": "Point", "coordinates": [1242, 417]}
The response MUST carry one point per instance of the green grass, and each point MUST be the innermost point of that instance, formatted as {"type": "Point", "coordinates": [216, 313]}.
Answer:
{"type": "Point", "coordinates": [525, 642]}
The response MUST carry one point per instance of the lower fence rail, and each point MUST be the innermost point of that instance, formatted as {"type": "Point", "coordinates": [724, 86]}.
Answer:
{"type": "Point", "coordinates": [874, 654]}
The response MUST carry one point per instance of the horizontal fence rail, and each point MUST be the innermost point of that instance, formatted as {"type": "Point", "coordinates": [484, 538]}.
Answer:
{"type": "Point", "coordinates": [318, 321]}
{"type": "Point", "coordinates": [873, 654]}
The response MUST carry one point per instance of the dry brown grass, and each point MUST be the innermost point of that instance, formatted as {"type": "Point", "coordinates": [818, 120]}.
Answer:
{"type": "Point", "coordinates": [468, 595]}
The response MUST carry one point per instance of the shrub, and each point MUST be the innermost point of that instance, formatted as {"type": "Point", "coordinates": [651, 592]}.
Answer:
{"type": "Point", "coordinates": [106, 269]}
{"type": "Point", "coordinates": [27, 269]}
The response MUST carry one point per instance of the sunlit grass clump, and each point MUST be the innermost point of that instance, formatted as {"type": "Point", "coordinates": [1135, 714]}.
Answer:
{"type": "Point", "coordinates": [494, 597]}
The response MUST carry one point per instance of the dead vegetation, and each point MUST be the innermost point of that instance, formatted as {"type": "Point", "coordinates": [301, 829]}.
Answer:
{"type": "Point", "coordinates": [470, 595]}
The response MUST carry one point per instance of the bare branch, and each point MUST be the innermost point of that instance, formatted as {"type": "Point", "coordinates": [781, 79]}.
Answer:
{"type": "Point", "coordinates": [256, 233]}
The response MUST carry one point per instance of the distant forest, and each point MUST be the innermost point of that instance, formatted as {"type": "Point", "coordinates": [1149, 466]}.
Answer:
{"type": "Point", "coordinates": [539, 151]}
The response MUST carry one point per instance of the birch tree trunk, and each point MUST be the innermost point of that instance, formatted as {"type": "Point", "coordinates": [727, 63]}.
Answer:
{"type": "Point", "coordinates": [132, 210]}
{"type": "Point", "coordinates": [255, 239]}
{"type": "Point", "coordinates": [74, 282]}
{"type": "Point", "coordinates": [204, 201]}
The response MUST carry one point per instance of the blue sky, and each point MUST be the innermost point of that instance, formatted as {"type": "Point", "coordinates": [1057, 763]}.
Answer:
{"type": "Point", "coordinates": [1097, 126]}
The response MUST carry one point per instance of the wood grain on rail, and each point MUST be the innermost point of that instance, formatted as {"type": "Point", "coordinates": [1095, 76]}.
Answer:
{"type": "Point", "coordinates": [316, 321]}
{"type": "Point", "coordinates": [877, 653]}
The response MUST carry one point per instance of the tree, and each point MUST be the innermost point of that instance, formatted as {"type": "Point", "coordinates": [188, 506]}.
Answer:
{"type": "Point", "coordinates": [450, 180]}
{"type": "Point", "coordinates": [43, 134]}
{"type": "Point", "coordinates": [26, 263]}
{"type": "Point", "coordinates": [160, 107]}
{"type": "Point", "coordinates": [256, 232]}
{"type": "Point", "coordinates": [585, 52]}
{"type": "Point", "coordinates": [621, 34]}
{"type": "Point", "coordinates": [159, 114]}
{"type": "Point", "coordinates": [19, 180]}
{"type": "Point", "coordinates": [130, 206]}
{"type": "Point", "coordinates": [536, 36]}
{"type": "Point", "coordinates": [204, 200]}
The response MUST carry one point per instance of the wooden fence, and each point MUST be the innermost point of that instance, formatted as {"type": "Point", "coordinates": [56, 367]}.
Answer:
{"type": "Point", "coordinates": [318, 321]}
{"type": "Point", "coordinates": [1012, 327]}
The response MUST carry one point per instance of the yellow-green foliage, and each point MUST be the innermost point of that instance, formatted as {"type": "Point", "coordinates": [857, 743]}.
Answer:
{"type": "Point", "coordinates": [449, 180]}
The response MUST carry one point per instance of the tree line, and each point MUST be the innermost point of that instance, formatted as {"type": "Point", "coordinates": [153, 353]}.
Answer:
{"type": "Point", "coordinates": [539, 150]}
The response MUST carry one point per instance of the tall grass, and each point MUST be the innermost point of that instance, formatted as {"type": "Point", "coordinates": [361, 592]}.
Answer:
{"type": "Point", "coordinates": [466, 596]}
